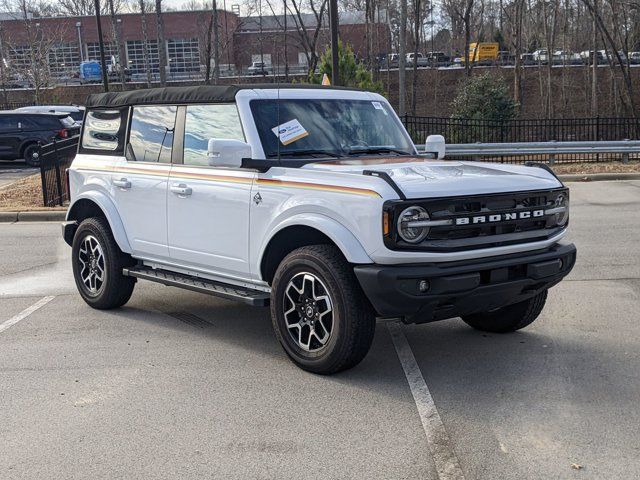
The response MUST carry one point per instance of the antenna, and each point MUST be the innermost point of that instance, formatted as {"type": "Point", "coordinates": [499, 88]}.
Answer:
{"type": "Point", "coordinates": [278, 118]}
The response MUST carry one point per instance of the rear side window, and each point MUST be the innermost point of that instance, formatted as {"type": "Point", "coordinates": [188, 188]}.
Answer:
{"type": "Point", "coordinates": [151, 136]}
{"type": "Point", "coordinates": [102, 129]}
{"type": "Point", "coordinates": [67, 122]}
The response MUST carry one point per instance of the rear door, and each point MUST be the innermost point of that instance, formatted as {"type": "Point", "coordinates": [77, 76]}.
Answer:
{"type": "Point", "coordinates": [139, 180]}
{"type": "Point", "coordinates": [9, 137]}
{"type": "Point", "coordinates": [208, 206]}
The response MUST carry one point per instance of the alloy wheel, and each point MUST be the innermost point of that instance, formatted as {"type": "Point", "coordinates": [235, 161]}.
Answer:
{"type": "Point", "coordinates": [91, 261]}
{"type": "Point", "coordinates": [308, 311]}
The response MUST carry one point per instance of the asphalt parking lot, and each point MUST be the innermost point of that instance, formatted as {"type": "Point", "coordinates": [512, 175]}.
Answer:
{"type": "Point", "coordinates": [181, 385]}
{"type": "Point", "coordinates": [13, 170]}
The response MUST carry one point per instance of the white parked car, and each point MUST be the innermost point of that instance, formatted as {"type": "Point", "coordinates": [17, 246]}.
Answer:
{"type": "Point", "coordinates": [314, 201]}
{"type": "Point", "coordinates": [541, 56]}
{"type": "Point", "coordinates": [258, 68]}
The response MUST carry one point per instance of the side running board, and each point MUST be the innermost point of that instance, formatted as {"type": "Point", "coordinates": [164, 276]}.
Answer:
{"type": "Point", "coordinates": [257, 298]}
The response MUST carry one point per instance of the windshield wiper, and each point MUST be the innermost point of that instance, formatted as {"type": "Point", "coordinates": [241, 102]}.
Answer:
{"type": "Point", "coordinates": [303, 153]}
{"type": "Point", "coordinates": [374, 150]}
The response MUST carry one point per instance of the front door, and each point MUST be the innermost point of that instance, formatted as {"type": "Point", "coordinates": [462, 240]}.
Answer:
{"type": "Point", "coordinates": [208, 206]}
{"type": "Point", "coordinates": [139, 182]}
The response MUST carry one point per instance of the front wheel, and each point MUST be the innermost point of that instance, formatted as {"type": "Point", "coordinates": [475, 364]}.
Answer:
{"type": "Point", "coordinates": [320, 315]}
{"type": "Point", "coordinates": [97, 266]}
{"type": "Point", "coordinates": [509, 318]}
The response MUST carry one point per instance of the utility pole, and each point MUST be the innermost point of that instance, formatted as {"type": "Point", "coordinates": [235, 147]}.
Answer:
{"type": "Point", "coordinates": [286, 39]}
{"type": "Point", "coordinates": [103, 64]}
{"type": "Point", "coordinates": [594, 62]}
{"type": "Point", "coordinates": [333, 23]}
{"type": "Point", "coordinates": [402, 57]}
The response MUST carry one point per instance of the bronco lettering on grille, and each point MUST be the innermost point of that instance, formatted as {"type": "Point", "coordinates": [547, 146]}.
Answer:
{"type": "Point", "coordinates": [499, 217]}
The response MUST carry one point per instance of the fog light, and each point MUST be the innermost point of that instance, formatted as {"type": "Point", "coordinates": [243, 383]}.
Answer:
{"type": "Point", "coordinates": [423, 286]}
{"type": "Point", "coordinates": [561, 264]}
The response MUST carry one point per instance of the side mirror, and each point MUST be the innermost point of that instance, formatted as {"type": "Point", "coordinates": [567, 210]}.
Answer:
{"type": "Point", "coordinates": [435, 144]}
{"type": "Point", "coordinates": [223, 152]}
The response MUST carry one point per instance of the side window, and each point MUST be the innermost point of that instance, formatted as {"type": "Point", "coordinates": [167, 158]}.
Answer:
{"type": "Point", "coordinates": [101, 129]}
{"type": "Point", "coordinates": [151, 136]}
{"type": "Point", "coordinates": [204, 122]}
{"type": "Point", "coordinates": [8, 123]}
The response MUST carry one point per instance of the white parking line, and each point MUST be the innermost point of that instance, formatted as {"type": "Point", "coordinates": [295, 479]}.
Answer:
{"type": "Point", "coordinates": [25, 313]}
{"type": "Point", "coordinates": [444, 457]}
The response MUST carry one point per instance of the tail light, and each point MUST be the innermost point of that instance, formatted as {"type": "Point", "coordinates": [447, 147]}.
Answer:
{"type": "Point", "coordinates": [64, 133]}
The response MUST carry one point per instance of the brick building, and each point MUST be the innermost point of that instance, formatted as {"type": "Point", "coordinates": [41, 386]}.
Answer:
{"type": "Point", "coordinates": [66, 41]}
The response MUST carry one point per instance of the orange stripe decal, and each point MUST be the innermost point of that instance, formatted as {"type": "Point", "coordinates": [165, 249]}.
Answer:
{"type": "Point", "coordinates": [316, 186]}
{"type": "Point", "coordinates": [230, 179]}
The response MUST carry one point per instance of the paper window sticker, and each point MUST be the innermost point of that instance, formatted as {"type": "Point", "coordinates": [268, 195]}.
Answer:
{"type": "Point", "coordinates": [290, 131]}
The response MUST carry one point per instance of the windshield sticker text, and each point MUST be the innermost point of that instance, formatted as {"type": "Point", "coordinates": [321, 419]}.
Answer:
{"type": "Point", "coordinates": [290, 131]}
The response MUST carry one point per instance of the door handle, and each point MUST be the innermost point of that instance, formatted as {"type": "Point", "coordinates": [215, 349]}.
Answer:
{"type": "Point", "coordinates": [181, 189]}
{"type": "Point", "coordinates": [122, 183]}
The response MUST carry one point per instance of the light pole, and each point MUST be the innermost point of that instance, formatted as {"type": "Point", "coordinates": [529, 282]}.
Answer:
{"type": "Point", "coordinates": [78, 26]}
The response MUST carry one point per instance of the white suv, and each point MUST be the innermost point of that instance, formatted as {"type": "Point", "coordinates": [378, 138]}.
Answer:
{"type": "Point", "coordinates": [312, 200]}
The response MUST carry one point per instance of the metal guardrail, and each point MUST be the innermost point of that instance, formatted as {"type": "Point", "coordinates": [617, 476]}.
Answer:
{"type": "Point", "coordinates": [552, 150]}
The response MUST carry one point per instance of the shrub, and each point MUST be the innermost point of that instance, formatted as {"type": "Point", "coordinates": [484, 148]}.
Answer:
{"type": "Point", "coordinates": [352, 73]}
{"type": "Point", "coordinates": [483, 109]}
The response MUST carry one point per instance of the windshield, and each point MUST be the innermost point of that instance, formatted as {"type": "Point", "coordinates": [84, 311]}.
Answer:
{"type": "Point", "coordinates": [328, 128]}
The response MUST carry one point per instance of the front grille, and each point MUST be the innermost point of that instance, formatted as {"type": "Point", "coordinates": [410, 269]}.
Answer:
{"type": "Point", "coordinates": [464, 234]}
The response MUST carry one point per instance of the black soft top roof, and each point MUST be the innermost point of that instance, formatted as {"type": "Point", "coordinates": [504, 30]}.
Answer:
{"type": "Point", "coordinates": [184, 95]}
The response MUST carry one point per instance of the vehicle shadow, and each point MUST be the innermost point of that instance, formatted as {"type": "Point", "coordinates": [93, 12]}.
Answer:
{"type": "Point", "coordinates": [458, 360]}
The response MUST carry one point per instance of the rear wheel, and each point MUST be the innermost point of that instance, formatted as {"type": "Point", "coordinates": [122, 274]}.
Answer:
{"type": "Point", "coordinates": [97, 266]}
{"type": "Point", "coordinates": [320, 315]}
{"type": "Point", "coordinates": [31, 155]}
{"type": "Point", "coordinates": [509, 318]}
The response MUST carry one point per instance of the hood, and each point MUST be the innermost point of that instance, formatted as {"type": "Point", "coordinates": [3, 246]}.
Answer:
{"type": "Point", "coordinates": [424, 178]}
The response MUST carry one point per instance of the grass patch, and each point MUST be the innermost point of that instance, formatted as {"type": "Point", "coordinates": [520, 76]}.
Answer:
{"type": "Point", "coordinates": [594, 167]}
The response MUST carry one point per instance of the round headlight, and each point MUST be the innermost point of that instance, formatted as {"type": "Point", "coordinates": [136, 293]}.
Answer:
{"type": "Point", "coordinates": [412, 234]}
{"type": "Point", "coordinates": [562, 202]}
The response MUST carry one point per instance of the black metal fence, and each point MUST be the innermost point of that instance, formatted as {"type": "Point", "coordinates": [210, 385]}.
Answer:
{"type": "Point", "coordinates": [14, 105]}
{"type": "Point", "coordinates": [55, 158]}
{"type": "Point", "coordinates": [462, 130]}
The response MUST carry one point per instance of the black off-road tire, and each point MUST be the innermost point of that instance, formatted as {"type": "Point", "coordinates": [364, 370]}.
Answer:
{"type": "Point", "coordinates": [116, 289]}
{"type": "Point", "coordinates": [510, 318]}
{"type": "Point", "coordinates": [353, 317]}
{"type": "Point", "coordinates": [28, 155]}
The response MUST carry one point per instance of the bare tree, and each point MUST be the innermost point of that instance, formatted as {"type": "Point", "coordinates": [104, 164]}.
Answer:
{"type": "Point", "coordinates": [32, 49]}
{"type": "Point", "coordinates": [162, 48]}
{"type": "Point", "coordinates": [309, 36]}
{"type": "Point", "coordinates": [145, 42]}
{"type": "Point", "coordinates": [115, 33]}
{"type": "Point", "coordinates": [402, 58]}
{"type": "Point", "coordinates": [81, 7]}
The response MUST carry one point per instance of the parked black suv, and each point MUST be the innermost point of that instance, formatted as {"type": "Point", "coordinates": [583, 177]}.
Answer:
{"type": "Point", "coordinates": [21, 133]}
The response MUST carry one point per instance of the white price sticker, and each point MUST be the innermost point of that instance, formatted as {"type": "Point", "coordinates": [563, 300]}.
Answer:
{"type": "Point", "coordinates": [290, 131]}
{"type": "Point", "coordinates": [378, 106]}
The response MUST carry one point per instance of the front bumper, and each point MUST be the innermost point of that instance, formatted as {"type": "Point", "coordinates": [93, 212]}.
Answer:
{"type": "Point", "coordinates": [461, 288]}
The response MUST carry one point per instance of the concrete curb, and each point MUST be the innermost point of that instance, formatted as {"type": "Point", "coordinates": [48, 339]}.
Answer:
{"type": "Point", "coordinates": [8, 217]}
{"type": "Point", "coordinates": [598, 177]}
{"type": "Point", "coordinates": [35, 216]}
